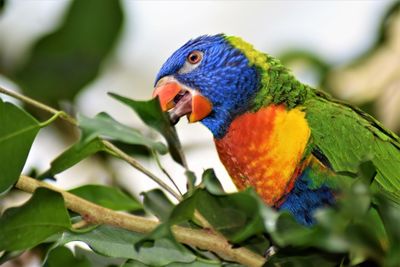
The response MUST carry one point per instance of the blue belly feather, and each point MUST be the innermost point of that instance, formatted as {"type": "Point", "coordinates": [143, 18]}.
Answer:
{"type": "Point", "coordinates": [303, 201]}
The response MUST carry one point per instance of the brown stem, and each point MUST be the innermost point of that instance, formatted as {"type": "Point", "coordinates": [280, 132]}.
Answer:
{"type": "Point", "coordinates": [80, 224]}
{"type": "Point", "coordinates": [96, 214]}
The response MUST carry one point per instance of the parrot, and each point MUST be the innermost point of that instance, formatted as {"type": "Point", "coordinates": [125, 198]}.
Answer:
{"type": "Point", "coordinates": [291, 142]}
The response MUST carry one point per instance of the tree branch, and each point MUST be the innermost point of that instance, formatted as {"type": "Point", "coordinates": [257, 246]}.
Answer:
{"type": "Point", "coordinates": [96, 214]}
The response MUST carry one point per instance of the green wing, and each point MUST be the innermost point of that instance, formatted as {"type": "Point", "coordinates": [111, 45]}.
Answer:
{"type": "Point", "coordinates": [346, 136]}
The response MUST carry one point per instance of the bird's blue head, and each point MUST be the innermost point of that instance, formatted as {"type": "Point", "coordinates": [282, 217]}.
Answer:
{"type": "Point", "coordinates": [209, 80]}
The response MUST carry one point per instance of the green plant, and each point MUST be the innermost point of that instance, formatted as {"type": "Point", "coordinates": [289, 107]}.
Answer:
{"type": "Point", "coordinates": [207, 227]}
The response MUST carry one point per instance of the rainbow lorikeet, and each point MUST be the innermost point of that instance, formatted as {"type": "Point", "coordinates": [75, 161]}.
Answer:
{"type": "Point", "coordinates": [291, 142]}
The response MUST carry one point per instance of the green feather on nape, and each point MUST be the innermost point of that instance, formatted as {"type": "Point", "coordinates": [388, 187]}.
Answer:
{"type": "Point", "coordinates": [277, 84]}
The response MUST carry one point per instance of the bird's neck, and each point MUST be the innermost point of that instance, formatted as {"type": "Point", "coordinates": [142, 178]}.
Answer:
{"type": "Point", "coordinates": [278, 86]}
{"type": "Point", "coordinates": [276, 83]}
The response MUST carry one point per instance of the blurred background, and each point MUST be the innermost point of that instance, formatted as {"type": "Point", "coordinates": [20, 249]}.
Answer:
{"type": "Point", "coordinates": [69, 54]}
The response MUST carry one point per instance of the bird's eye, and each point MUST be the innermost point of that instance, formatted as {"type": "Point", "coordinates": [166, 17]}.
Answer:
{"type": "Point", "coordinates": [193, 60]}
{"type": "Point", "coordinates": [195, 57]}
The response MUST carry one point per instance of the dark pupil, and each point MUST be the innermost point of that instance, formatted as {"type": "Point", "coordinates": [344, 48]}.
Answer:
{"type": "Point", "coordinates": [193, 58]}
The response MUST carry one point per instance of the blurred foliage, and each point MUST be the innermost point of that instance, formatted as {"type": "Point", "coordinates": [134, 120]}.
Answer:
{"type": "Point", "coordinates": [2, 5]}
{"type": "Point", "coordinates": [64, 61]}
{"type": "Point", "coordinates": [370, 80]}
{"type": "Point", "coordinates": [383, 35]}
{"type": "Point", "coordinates": [63, 257]}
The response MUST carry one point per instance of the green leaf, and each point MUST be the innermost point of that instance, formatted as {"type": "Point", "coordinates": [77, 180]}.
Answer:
{"type": "Point", "coordinates": [63, 257]}
{"type": "Point", "coordinates": [390, 215]}
{"type": "Point", "coordinates": [97, 260]}
{"type": "Point", "coordinates": [367, 172]}
{"type": "Point", "coordinates": [196, 263]}
{"type": "Point", "coordinates": [303, 258]}
{"type": "Point", "coordinates": [257, 243]}
{"type": "Point", "coordinates": [364, 242]}
{"type": "Point", "coordinates": [238, 215]}
{"type": "Point", "coordinates": [134, 150]}
{"type": "Point", "coordinates": [90, 143]}
{"type": "Point", "coordinates": [30, 224]}
{"type": "Point", "coordinates": [17, 132]}
{"type": "Point", "coordinates": [164, 251]}
{"type": "Point", "coordinates": [2, 5]}
{"type": "Point", "coordinates": [158, 204]}
{"type": "Point", "coordinates": [296, 234]}
{"type": "Point", "coordinates": [133, 263]}
{"type": "Point", "coordinates": [103, 125]}
{"type": "Point", "coordinates": [106, 240]}
{"type": "Point", "coordinates": [74, 154]}
{"type": "Point", "coordinates": [150, 112]}
{"type": "Point", "coordinates": [119, 243]}
{"type": "Point", "coordinates": [66, 60]}
{"type": "Point", "coordinates": [211, 182]}
{"type": "Point", "coordinates": [349, 228]}
{"type": "Point", "coordinates": [190, 181]}
{"type": "Point", "coordinates": [184, 210]}
{"type": "Point", "coordinates": [109, 197]}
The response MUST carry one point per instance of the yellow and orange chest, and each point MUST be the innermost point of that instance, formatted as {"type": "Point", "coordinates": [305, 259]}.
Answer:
{"type": "Point", "coordinates": [265, 149]}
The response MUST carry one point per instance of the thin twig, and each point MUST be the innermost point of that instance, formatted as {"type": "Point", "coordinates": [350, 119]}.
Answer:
{"type": "Point", "coordinates": [38, 105]}
{"type": "Point", "coordinates": [51, 119]}
{"type": "Point", "coordinates": [122, 155]}
{"type": "Point", "coordinates": [113, 149]}
{"type": "Point", "coordinates": [96, 214]}
{"type": "Point", "coordinates": [80, 224]}
{"type": "Point", "coordinates": [157, 158]}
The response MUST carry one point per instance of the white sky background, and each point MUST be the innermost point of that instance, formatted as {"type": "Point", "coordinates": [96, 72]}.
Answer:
{"type": "Point", "coordinates": [335, 30]}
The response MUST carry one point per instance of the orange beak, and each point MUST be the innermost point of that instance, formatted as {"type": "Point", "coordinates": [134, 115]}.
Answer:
{"type": "Point", "coordinates": [181, 100]}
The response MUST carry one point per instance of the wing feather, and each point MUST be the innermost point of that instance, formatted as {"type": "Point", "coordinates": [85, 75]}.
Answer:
{"type": "Point", "coordinates": [347, 136]}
